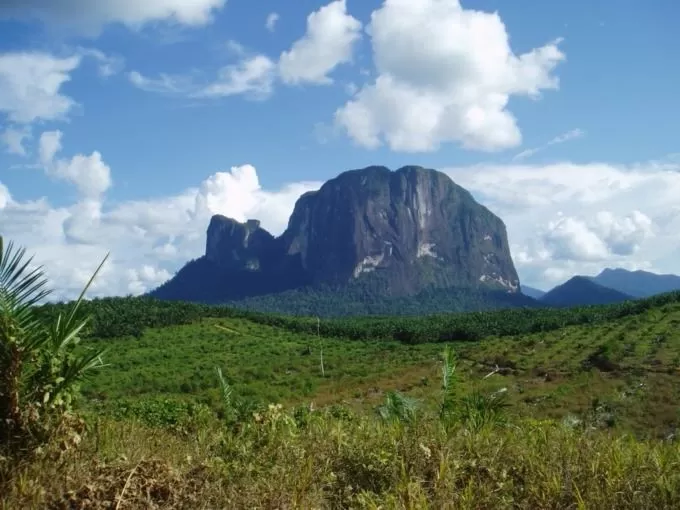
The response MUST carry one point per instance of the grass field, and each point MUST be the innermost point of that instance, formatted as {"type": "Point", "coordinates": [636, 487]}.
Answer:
{"type": "Point", "coordinates": [624, 373]}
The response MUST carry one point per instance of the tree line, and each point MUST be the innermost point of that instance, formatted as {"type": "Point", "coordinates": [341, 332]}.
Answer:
{"type": "Point", "coordinates": [130, 316]}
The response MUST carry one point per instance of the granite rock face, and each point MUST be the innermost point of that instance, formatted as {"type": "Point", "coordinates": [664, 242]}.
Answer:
{"type": "Point", "coordinates": [235, 245]}
{"type": "Point", "coordinates": [415, 226]}
{"type": "Point", "coordinates": [410, 229]}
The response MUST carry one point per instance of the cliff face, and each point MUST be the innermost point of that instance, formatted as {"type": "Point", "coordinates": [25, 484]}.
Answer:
{"type": "Point", "coordinates": [410, 229]}
{"type": "Point", "coordinates": [235, 245]}
{"type": "Point", "coordinates": [415, 227]}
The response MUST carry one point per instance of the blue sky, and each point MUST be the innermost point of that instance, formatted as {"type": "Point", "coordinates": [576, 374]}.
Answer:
{"type": "Point", "coordinates": [125, 124]}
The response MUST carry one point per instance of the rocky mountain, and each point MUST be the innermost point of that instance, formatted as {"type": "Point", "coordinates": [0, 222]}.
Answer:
{"type": "Point", "coordinates": [387, 233]}
{"type": "Point", "coordinates": [639, 284]}
{"type": "Point", "coordinates": [580, 291]}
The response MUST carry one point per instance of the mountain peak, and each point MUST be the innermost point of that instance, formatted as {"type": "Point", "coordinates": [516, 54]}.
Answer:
{"type": "Point", "coordinates": [582, 290]}
{"type": "Point", "coordinates": [400, 231]}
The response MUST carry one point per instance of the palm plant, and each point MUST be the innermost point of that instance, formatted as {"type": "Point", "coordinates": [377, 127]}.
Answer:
{"type": "Point", "coordinates": [448, 382]}
{"type": "Point", "coordinates": [398, 407]}
{"type": "Point", "coordinates": [477, 410]}
{"type": "Point", "coordinates": [39, 371]}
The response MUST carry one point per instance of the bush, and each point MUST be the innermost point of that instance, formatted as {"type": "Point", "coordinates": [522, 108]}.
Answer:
{"type": "Point", "coordinates": [39, 372]}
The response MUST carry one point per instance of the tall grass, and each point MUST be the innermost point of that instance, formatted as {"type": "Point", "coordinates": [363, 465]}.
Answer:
{"type": "Point", "coordinates": [276, 461]}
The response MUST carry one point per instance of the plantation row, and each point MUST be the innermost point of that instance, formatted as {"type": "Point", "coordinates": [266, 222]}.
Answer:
{"type": "Point", "coordinates": [130, 316]}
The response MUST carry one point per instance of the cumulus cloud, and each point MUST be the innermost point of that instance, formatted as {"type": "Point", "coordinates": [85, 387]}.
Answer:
{"type": "Point", "coordinates": [595, 239]}
{"type": "Point", "coordinates": [89, 16]}
{"type": "Point", "coordinates": [30, 86]}
{"type": "Point", "coordinates": [148, 239]}
{"type": "Point", "coordinates": [329, 41]}
{"type": "Point", "coordinates": [565, 219]}
{"type": "Point", "coordinates": [89, 174]}
{"type": "Point", "coordinates": [272, 19]}
{"type": "Point", "coordinates": [444, 74]}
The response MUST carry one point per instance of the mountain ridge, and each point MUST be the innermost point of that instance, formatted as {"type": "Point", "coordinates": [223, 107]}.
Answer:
{"type": "Point", "coordinates": [582, 291]}
{"type": "Point", "coordinates": [637, 283]}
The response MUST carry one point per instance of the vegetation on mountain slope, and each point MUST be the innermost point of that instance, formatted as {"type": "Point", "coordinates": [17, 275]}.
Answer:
{"type": "Point", "coordinates": [627, 368]}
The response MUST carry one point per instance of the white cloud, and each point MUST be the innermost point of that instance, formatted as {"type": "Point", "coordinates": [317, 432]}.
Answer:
{"type": "Point", "coordinates": [329, 41]}
{"type": "Point", "coordinates": [148, 239]}
{"type": "Point", "coordinates": [48, 145]}
{"type": "Point", "coordinates": [89, 16]}
{"type": "Point", "coordinates": [564, 137]}
{"type": "Point", "coordinates": [272, 19]}
{"type": "Point", "coordinates": [89, 174]}
{"type": "Point", "coordinates": [445, 74]}
{"type": "Point", "coordinates": [252, 76]}
{"type": "Point", "coordinates": [108, 65]}
{"type": "Point", "coordinates": [13, 139]}
{"type": "Point", "coordinates": [595, 239]}
{"type": "Point", "coordinates": [5, 197]}
{"type": "Point", "coordinates": [566, 219]}
{"type": "Point", "coordinates": [30, 86]}
{"type": "Point", "coordinates": [164, 84]}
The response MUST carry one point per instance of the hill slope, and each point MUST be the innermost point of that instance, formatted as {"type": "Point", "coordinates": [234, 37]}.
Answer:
{"type": "Point", "coordinates": [629, 365]}
{"type": "Point", "coordinates": [580, 291]}
{"type": "Point", "coordinates": [637, 283]}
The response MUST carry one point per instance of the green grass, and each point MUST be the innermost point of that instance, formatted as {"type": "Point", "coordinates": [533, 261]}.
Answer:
{"type": "Point", "coordinates": [357, 462]}
{"type": "Point", "coordinates": [623, 373]}
{"type": "Point", "coordinates": [262, 362]}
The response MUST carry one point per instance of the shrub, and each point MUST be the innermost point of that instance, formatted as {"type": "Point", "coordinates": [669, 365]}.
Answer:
{"type": "Point", "coordinates": [39, 371]}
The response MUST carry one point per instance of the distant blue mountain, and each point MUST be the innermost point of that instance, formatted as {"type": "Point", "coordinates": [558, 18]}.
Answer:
{"type": "Point", "coordinates": [580, 291]}
{"type": "Point", "coordinates": [639, 284]}
{"type": "Point", "coordinates": [532, 292]}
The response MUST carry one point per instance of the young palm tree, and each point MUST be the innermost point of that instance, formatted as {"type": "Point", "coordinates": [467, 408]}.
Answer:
{"type": "Point", "coordinates": [39, 371]}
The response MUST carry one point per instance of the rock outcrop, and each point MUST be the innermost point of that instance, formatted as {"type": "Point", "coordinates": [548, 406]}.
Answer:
{"type": "Point", "coordinates": [401, 231]}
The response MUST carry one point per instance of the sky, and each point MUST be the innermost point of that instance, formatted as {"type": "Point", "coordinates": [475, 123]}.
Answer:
{"type": "Point", "coordinates": [125, 124]}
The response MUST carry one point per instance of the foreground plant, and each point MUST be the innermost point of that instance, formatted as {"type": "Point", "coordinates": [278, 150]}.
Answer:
{"type": "Point", "coordinates": [39, 370]}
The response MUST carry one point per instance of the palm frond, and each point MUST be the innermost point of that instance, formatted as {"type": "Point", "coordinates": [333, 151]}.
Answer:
{"type": "Point", "coordinates": [20, 286]}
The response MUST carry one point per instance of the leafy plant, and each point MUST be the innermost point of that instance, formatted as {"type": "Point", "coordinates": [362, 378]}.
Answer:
{"type": "Point", "coordinates": [398, 407]}
{"type": "Point", "coordinates": [40, 371]}
{"type": "Point", "coordinates": [477, 410]}
{"type": "Point", "coordinates": [448, 382]}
